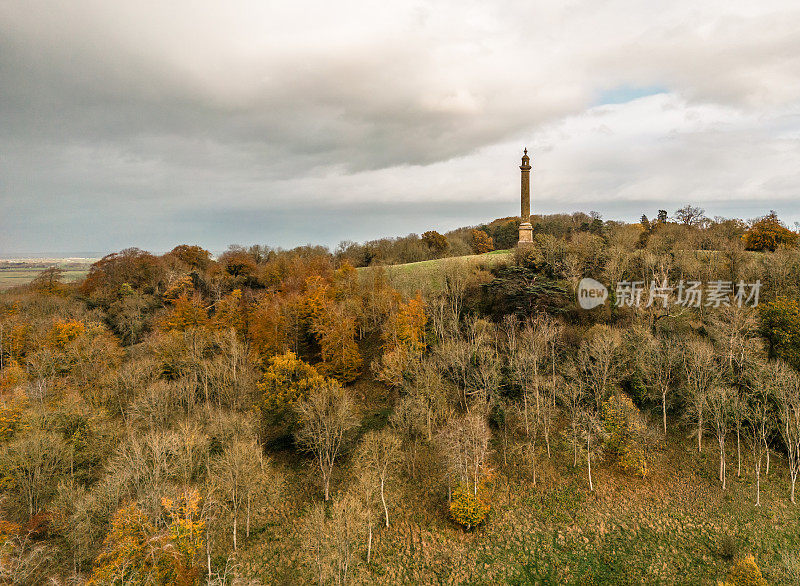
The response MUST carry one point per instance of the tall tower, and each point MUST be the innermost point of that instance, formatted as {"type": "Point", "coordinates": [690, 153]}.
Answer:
{"type": "Point", "coordinates": [525, 228]}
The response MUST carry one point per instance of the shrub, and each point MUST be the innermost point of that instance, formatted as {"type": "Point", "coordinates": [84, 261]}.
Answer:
{"type": "Point", "coordinates": [745, 572]}
{"type": "Point", "coordinates": [469, 509]}
{"type": "Point", "coordinates": [626, 429]}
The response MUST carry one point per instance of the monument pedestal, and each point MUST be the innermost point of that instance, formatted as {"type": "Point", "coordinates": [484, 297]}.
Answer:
{"type": "Point", "coordinates": [525, 232]}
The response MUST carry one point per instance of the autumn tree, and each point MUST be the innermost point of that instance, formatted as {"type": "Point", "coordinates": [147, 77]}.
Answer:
{"type": "Point", "coordinates": [336, 330]}
{"type": "Point", "coordinates": [130, 553]}
{"type": "Point", "coordinates": [435, 242]}
{"type": "Point", "coordinates": [50, 281]}
{"type": "Point", "coordinates": [481, 242]}
{"type": "Point", "coordinates": [286, 381]}
{"type": "Point", "coordinates": [769, 233]}
{"type": "Point", "coordinates": [325, 416]}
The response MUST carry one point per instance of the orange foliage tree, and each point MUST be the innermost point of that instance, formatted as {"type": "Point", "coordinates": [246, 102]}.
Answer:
{"type": "Point", "coordinates": [135, 552]}
{"type": "Point", "coordinates": [481, 242]}
{"type": "Point", "coordinates": [769, 233]}
{"type": "Point", "coordinates": [404, 340]}
{"type": "Point", "coordinates": [186, 312]}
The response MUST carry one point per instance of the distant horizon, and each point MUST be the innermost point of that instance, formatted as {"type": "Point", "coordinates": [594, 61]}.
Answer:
{"type": "Point", "coordinates": [791, 220]}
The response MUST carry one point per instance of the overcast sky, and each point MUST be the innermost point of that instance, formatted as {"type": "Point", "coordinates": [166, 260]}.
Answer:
{"type": "Point", "coordinates": [152, 124]}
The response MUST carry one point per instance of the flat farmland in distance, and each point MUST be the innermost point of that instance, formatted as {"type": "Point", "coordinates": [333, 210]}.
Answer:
{"type": "Point", "coordinates": [15, 272]}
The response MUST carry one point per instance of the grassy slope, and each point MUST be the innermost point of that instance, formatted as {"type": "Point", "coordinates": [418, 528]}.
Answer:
{"type": "Point", "coordinates": [670, 527]}
{"type": "Point", "coordinates": [426, 275]}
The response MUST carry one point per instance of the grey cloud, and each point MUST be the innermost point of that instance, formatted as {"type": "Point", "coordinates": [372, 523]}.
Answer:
{"type": "Point", "coordinates": [124, 123]}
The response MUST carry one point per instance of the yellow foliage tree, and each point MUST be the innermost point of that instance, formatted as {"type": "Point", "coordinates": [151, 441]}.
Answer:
{"type": "Point", "coordinates": [469, 509]}
{"type": "Point", "coordinates": [745, 572]}
{"type": "Point", "coordinates": [135, 552]}
{"type": "Point", "coordinates": [64, 332]}
{"type": "Point", "coordinates": [286, 381]}
{"type": "Point", "coordinates": [230, 312]}
{"type": "Point", "coordinates": [186, 312]}
{"type": "Point", "coordinates": [625, 428]}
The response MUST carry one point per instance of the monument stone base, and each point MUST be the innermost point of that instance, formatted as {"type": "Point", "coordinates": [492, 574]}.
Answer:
{"type": "Point", "coordinates": [525, 232]}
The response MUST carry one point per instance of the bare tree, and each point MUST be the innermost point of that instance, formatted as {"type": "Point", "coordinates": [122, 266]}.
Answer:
{"type": "Point", "coordinates": [700, 375]}
{"type": "Point", "coordinates": [691, 215]}
{"type": "Point", "coordinates": [426, 390]}
{"type": "Point", "coordinates": [331, 541]}
{"type": "Point", "coordinates": [239, 476]}
{"type": "Point", "coordinates": [32, 463]}
{"type": "Point", "coordinates": [787, 386]}
{"type": "Point", "coordinates": [719, 403]}
{"type": "Point", "coordinates": [465, 442]}
{"type": "Point", "coordinates": [598, 362]}
{"type": "Point", "coordinates": [325, 416]}
{"type": "Point", "coordinates": [759, 425]}
{"type": "Point", "coordinates": [572, 395]}
{"type": "Point", "coordinates": [376, 460]}
{"type": "Point", "coordinates": [484, 379]}
{"type": "Point", "coordinates": [659, 361]}
{"type": "Point", "coordinates": [593, 434]}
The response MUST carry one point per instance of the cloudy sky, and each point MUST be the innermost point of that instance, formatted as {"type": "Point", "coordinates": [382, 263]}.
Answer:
{"type": "Point", "coordinates": [157, 123]}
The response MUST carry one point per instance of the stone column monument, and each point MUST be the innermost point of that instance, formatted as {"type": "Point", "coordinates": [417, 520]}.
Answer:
{"type": "Point", "coordinates": [525, 228]}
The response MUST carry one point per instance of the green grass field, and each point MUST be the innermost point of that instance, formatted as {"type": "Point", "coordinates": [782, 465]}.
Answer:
{"type": "Point", "coordinates": [426, 276]}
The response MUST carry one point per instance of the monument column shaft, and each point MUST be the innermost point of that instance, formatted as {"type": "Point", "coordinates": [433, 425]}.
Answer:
{"type": "Point", "coordinates": [525, 213]}
{"type": "Point", "coordinates": [525, 228]}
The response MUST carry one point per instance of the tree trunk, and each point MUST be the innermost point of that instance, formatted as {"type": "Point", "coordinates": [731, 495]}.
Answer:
{"type": "Point", "coordinates": [234, 532]}
{"type": "Point", "coordinates": [664, 410]}
{"type": "Point", "coordinates": [208, 553]}
{"type": "Point", "coordinates": [758, 488]}
{"type": "Point", "coordinates": [383, 500]}
{"type": "Point", "coordinates": [589, 462]}
{"type": "Point", "coordinates": [738, 454]}
{"type": "Point", "coordinates": [369, 543]}
{"type": "Point", "coordinates": [247, 530]}
{"type": "Point", "coordinates": [700, 434]}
